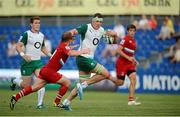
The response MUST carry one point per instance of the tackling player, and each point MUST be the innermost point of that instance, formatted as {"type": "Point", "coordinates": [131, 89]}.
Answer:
{"type": "Point", "coordinates": [49, 74]}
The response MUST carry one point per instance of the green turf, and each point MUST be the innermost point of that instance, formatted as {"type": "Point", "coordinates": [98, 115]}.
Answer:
{"type": "Point", "coordinates": [94, 104]}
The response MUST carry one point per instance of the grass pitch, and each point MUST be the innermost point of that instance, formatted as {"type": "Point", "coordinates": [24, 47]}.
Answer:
{"type": "Point", "coordinates": [93, 104]}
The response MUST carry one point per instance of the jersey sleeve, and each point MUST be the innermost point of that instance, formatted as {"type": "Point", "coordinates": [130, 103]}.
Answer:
{"type": "Point", "coordinates": [43, 43]}
{"type": "Point", "coordinates": [82, 29]}
{"type": "Point", "coordinates": [23, 38]}
{"type": "Point", "coordinates": [123, 43]}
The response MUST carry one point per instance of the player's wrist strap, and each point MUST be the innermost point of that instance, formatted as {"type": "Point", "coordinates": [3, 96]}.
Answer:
{"type": "Point", "coordinates": [49, 54]}
{"type": "Point", "coordinates": [21, 53]}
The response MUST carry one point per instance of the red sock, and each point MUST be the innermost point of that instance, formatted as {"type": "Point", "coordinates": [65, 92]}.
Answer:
{"type": "Point", "coordinates": [61, 93]}
{"type": "Point", "coordinates": [131, 98]}
{"type": "Point", "coordinates": [24, 92]}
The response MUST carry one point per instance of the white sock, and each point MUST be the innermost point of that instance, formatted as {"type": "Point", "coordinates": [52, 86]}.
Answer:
{"type": "Point", "coordinates": [41, 93]}
{"type": "Point", "coordinates": [66, 102]}
{"type": "Point", "coordinates": [18, 81]}
{"type": "Point", "coordinates": [84, 85]}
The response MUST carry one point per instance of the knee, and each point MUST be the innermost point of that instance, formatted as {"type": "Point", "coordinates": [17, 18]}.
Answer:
{"type": "Point", "coordinates": [36, 88]}
{"type": "Point", "coordinates": [105, 74]}
{"type": "Point", "coordinates": [67, 83]}
{"type": "Point", "coordinates": [133, 82]}
{"type": "Point", "coordinates": [119, 82]}
{"type": "Point", "coordinates": [25, 84]}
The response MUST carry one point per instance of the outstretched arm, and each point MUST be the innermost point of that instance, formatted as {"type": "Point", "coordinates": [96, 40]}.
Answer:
{"type": "Point", "coordinates": [74, 46]}
{"type": "Point", "coordinates": [73, 32]}
{"type": "Point", "coordinates": [79, 52]}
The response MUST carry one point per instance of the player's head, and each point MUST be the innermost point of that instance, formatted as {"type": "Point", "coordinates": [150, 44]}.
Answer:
{"type": "Point", "coordinates": [131, 29]}
{"type": "Point", "coordinates": [35, 23]}
{"type": "Point", "coordinates": [97, 20]}
{"type": "Point", "coordinates": [67, 37]}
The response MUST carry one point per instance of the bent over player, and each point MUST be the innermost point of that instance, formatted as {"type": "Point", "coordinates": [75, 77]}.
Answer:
{"type": "Point", "coordinates": [49, 74]}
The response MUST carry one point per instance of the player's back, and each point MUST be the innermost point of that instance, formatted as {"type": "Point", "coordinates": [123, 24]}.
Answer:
{"type": "Point", "coordinates": [59, 57]}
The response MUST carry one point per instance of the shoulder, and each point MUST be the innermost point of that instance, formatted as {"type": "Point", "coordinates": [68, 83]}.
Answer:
{"type": "Point", "coordinates": [67, 47]}
{"type": "Point", "coordinates": [101, 29]}
{"type": "Point", "coordinates": [126, 38]}
{"type": "Point", "coordinates": [25, 33]}
{"type": "Point", "coordinates": [64, 46]}
{"type": "Point", "coordinates": [41, 34]}
{"type": "Point", "coordinates": [83, 26]}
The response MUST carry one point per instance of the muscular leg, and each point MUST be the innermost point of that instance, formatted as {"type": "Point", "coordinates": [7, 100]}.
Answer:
{"type": "Point", "coordinates": [39, 83]}
{"type": "Point", "coordinates": [94, 79]}
{"type": "Point", "coordinates": [119, 81]}
{"type": "Point", "coordinates": [101, 74]}
{"type": "Point", "coordinates": [83, 77]}
{"type": "Point", "coordinates": [65, 84]}
{"type": "Point", "coordinates": [132, 78]}
{"type": "Point", "coordinates": [24, 81]}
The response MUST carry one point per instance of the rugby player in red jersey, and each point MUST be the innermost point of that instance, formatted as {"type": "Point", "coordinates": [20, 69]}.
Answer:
{"type": "Point", "coordinates": [126, 63]}
{"type": "Point", "coordinates": [49, 73]}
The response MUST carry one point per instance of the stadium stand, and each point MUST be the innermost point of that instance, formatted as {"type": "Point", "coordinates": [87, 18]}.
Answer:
{"type": "Point", "coordinates": [148, 49]}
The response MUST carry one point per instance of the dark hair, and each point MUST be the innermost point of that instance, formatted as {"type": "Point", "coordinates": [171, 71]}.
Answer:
{"type": "Point", "coordinates": [34, 18]}
{"type": "Point", "coordinates": [66, 36]}
{"type": "Point", "coordinates": [131, 26]}
{"type": "Point", "coordinates": [99, 15]}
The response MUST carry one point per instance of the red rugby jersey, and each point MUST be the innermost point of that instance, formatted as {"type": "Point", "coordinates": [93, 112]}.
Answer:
{"type": "Point", "coordinates": [59, 57]}
{"type": "Point", "coordinates": [129, 45]}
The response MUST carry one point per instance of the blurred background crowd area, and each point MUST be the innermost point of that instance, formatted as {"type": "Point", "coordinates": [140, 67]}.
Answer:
{"type": "Point", "coordinates": [157, 38]}
{"type": "Point", "coordinates": [157, 35]}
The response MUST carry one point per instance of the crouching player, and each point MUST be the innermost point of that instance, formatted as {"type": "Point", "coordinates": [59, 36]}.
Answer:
{"type": "Point", "coordinates": [49, 74]}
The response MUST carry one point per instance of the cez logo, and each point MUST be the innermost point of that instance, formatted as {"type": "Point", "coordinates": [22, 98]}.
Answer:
{"type": "Point", "coordinates": [23, 3]}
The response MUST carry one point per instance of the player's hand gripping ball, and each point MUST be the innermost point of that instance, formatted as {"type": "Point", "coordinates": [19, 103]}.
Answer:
{"type": "Point", "coordinates": [108, 39]}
